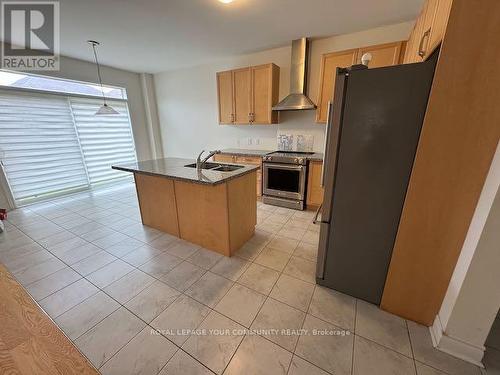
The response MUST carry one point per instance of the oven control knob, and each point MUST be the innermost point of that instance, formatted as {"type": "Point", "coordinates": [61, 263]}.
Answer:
{"type": "Point", "coordinates": [296, 160]}
{"type": "Point", "coordinates": [301, 161]}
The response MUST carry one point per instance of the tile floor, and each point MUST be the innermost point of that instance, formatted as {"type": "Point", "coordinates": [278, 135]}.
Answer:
{"type": "Point", "coordinates": [135, 300]}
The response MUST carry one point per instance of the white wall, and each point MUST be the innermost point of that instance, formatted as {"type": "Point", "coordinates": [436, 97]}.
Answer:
{"type": "Point", "coordinates": [187, 98]}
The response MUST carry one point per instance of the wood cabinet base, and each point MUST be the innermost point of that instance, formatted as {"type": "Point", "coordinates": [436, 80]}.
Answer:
{"type": "Point", "coordinates": [218, 217]}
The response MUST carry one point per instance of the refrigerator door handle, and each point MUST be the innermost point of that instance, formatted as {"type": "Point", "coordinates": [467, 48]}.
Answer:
{"type": "Point", "coordinates": [325, 146]}
{"type": "Point", "coordinates": [322, 250]}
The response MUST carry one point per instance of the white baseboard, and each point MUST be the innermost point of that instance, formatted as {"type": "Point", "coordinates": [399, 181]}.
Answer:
{"type": "Point", "coordinates": [455, 347]}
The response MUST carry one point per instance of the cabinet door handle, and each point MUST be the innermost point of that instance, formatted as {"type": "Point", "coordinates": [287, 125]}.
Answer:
{"type": "Point", "coordinates": [249, 116]}
{"type": "Point", "coordinates": [232, 117]}
{"type": "Point", "coordinates": [425, 37]}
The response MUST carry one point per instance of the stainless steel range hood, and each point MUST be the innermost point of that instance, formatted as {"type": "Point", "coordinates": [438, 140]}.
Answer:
{"type": "Point", "coordinates": [297, 99]}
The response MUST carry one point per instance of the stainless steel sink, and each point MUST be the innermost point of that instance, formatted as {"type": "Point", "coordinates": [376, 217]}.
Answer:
{"type": "Point", "coordinates": [205, 166]}
{"type": "Point", "coordinates": [218, 167]}
{"type": "Point", "coordinates": [228, 168]}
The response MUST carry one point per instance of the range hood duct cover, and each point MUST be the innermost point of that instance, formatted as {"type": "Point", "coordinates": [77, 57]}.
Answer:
{"type": "Point", "coordinates": [297, 99]}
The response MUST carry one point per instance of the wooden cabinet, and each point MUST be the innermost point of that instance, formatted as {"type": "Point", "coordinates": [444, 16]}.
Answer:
{"type": "Point", "coordinates": [242, 89]}
{"type": "Point", "coordinates": [246, 96]}
{"type": "Point", "coordinates": [382, 55]}
{"type": "Point", "coordinates": [428, 31]}
{"type": "Point", "coordinates": [314, 190]}
{"type": "Point", "coordinates": [329, 64]}
{"type": "Point", "coordinates": [254, 160]}
{"type": "Point", "coordinates": [225, 97]}
{"type": "Point", "coordinates": [265, 94]}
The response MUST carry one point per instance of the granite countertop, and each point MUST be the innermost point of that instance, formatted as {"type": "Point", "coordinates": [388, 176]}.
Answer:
{"type": "Point", "coordinates": [174, 168]}
{"type": "Point", "coordinates": [317, 156]}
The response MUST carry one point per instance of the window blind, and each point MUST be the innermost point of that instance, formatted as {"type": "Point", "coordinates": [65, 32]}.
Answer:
{"type": "Point", "coordinates": [39, 146]}
{"type": "Point", "coordinates": [105, 140]}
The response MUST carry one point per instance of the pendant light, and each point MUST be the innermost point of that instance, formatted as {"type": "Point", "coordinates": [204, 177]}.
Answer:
{"type": "Point", "coordinates": [105, 109]}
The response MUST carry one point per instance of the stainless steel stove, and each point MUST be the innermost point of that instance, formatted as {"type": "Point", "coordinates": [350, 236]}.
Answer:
{"type": "Point", "coordinates": [284, 179]}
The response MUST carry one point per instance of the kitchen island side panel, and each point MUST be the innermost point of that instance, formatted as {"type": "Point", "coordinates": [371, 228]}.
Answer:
{"type": "Point", "coordinates": [157, 203]}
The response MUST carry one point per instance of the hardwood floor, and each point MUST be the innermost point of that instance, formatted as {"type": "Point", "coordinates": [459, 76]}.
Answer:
{"type": "Point", "coordinates": [30, 343]}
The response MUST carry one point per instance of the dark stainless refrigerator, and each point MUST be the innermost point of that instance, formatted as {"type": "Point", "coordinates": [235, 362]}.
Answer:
{"type": "Point", "coordinates": [374, 125]}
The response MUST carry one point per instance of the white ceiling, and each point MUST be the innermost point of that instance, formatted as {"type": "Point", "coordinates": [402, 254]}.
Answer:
{"type": "Point", "coordinates": [158, 35]}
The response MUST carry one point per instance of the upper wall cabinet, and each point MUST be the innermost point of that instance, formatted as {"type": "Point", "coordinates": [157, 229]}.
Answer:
{"type": "Point", "coordinates": [382, 55]}
{"type": "Point", "coordinates": [246, 96]}
{"type": "Point", "coordinates": [428, 31]}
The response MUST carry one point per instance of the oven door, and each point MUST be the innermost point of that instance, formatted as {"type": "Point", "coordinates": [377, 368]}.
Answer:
{"type": "Point", "coordinates": [284, 180]}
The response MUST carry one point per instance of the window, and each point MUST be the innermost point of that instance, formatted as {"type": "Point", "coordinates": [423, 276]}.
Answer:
{"type": "Point", "coordinates": [55, 85]}
{"type": "Point", "coordinates": [54, 144]}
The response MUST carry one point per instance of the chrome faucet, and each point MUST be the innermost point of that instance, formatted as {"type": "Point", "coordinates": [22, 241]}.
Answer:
{"type": "Point", "coordinates": [200, 163]}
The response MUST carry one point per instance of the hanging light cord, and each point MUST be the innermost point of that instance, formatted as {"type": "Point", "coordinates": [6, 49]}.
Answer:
{"type": "Point", "coordinates": [99, 72]}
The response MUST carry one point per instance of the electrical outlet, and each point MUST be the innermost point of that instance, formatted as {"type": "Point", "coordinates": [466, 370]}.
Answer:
{"type": "Point", "coordinates": [249, 141]}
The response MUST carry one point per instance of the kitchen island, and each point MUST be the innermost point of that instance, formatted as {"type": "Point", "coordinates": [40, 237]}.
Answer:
{"type": "Point", "coordinates": [213, 208]}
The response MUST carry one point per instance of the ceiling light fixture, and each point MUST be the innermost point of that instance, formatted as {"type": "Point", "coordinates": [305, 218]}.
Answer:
{"type": "Point", "coordinates": [105, 109]}
{"type": "Point", "coordinates": [226, 1]}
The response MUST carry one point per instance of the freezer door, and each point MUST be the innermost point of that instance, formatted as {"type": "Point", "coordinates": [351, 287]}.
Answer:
{"type": "Point", "coordinates": [382, 118]}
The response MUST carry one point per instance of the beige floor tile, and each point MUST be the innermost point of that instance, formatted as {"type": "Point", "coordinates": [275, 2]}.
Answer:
{"type": "Point", "coordinates": [257, 356]}
{"type": "Point", "coordinates": [101, 342]}
{"type": "Point", "coordinates": [215, 350]}
{"type": "Point", "coordinates": [78, 320]}
{"type": "Point", "coordinates": [204, 258]}
{"type": "Point", "coordinates": [129, 286]}
{"type": "Point", "coordinates": [334, 307]}
{"type": "Point", "coordinates": [125, 247]}
{"type": "Point", "coordinates": [52, 283]}
{"type": "Point", "coordinates": [63, 247]}
{"type": "Point", "coordinates": [371, 358]}
{"type": "Point", "coordinates": [306, 251]}
{"type": "Point", "coordinates": [110, 239]}
{"type": "Point", "coordinates": [424, 352]}
{"type": "Point", "coordinates": [56, 239]}
{"type": "Point", "coordinates": [182, 249]}
{"type": "Point", "coordinates": [163, 242]}
{"type": "Point", "coordinates": [39, 271]}
{"type": "Point", "coordinates": [10, 255]}
{"type": "Point", "coordinates": [22, 262]}
{"type": "Point", "coordinates": [302, 367]}
{"type": "Point", "coordinates": [160, 265]}
{"type": "Point", "coordinates": [427, 370]}
{"type": "Point", "coordinates": [382, 327]}
{"type": "Point", "coordinates": [183, 315]}
{"type": "Point", "coordinates": [275, 319]}
{"type": "Point", "coordinates": [77, 254]}
{"type": "Point", "coordinates": [269, 227]}
{"type": "Point", "coordinates": [284, 244]}
{"type": "Point", "coordinates": [149, 303]}
{"type": "Point", "coordinates": [141, 255]}
{"type": "Point", "coordinates": [293, 292]}
{"type": "Point", "coordinates": [250, 250]}
{"type": "Point", "coordinates": [291, 233]}
{"type": "Point", "coordinates": [109, 273]}
{"type": "Point", "coordinates": [146, 353]}
{"type": "Point", "coordinates": [301, 269]}
{"type": "Point", "coordinates": [330, 351]}
{"type": "Point", "coordinates": [68, 297]}
{"type": "Point", "coordinates": [209, 289]}
{"type": "Point", "coordinates": [183, 276]}
{"type": "Point", "coordinates": [261, 237]}
{"type": "Point", "coordinates": [93, 263]}
{"type": "Point", "coordinates": [241, 304]}
{"type": "Point", "coordinates": [259, 278]}
{"type": "Point", "coordinates": [272, 258]}
{"type": "Point", "coordinates": [230, 267]}
{"type": "Point", "coordinates": [183, 364]}
{"type": "Point", "coordinates": [311, 237]}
